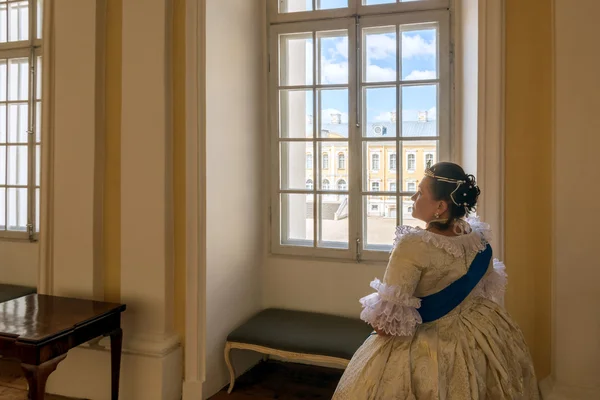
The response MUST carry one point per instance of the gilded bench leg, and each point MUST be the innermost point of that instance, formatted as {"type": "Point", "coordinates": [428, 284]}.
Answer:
{"type": "Point", "coordinates": [230, 367]}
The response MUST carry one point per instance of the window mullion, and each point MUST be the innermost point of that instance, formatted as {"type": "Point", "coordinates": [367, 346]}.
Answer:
{"type": "Point", "coordinates": [31, 144]}
{"type": "Point", "coordinates": [354, 142]}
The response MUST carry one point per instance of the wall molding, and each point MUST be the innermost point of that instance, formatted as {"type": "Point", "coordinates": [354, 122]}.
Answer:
{"type": "Point", "coordinates": [195, 310]}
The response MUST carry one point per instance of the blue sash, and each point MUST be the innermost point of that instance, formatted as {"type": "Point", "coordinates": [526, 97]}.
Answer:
{"type": "Point", "coordinates": [437, 305]}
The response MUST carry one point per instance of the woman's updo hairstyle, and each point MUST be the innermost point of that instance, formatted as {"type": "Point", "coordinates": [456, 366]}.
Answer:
{"type": "Point", "coordinates": [449, 183]}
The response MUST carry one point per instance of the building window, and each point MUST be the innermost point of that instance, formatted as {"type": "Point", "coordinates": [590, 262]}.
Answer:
{"type": "Point", "coordinates": [342, 185]}
{"type": "Point", "coordinates": [20, 118]}
{"type": "Point", "coordinates": [309, 184]}
{"type": "Point", "coordinates": [411, 162]}
{"type": "Point", "coordinates": [374, 207]}
{"type": "Point", "coordinates": [325, 161]}
{"type": "Point", "coordinates": [309, 161]}
{"type": "Point", "coordinates": [403, 95]}
{"type": "Point", "coordinates": [428, 160]}
{"type": "Point", "coordinates": [341, 161]}
{"type": "Point", "coordinates": [375, 162]}
{"type": "Point", "coordinates": [392, 186]}
{"type": "Point", "coordinates": [393, 162]}
{"type": "Point", "coordinates": [411, 187]}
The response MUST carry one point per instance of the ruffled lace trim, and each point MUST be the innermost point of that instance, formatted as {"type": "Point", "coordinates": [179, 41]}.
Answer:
{"type": "Point", "coordinates": [493, 285]}
{"type": "Point", "coordinates": [391, 310]}
{"type": "Point", "coordinates": [476, 240]}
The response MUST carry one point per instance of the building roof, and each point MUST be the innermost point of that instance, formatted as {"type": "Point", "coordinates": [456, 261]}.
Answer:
{"type": "Point", "coordinates": [383, 129]}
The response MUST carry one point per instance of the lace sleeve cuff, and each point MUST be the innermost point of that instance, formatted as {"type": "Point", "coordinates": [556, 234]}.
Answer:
{"type": "Point", "coordinates": [391, 310]}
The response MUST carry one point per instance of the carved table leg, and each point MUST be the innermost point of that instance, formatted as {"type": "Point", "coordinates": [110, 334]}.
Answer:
{"type": "Point", "coordinates": [37, 375]}
{"type": "Point", "coordinates": [116, 344]}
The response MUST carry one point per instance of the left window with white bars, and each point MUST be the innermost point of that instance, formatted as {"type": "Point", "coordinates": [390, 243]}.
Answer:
{"type": "Point", "coordinates": [20, 117]}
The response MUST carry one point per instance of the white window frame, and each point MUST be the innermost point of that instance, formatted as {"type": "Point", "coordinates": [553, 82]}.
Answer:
{"type": "Point", "coordinates": [309, 165]}
{"type": "Point", "coordinates": [430, 10]}
{"type": "Point", "coordinates": [428, 153]}
{"type": "Point", "coordinates": [341, 156]}
{"type": "Point", "coordinates": [392, 182]}
{"type": "Point", "coordinates": [408, 154]}
{"type": "Point", "coordinates": [337, 184]}
{"type": "Point", "coordinates": [324, 165]}
{"type": "Point", "coordinates": [411, 181]}
{"type": "Point", "coordinates": [395, 164]}
{"type": "Point", "coordinates": [31, 49]}
{"type": "Point", "coordinates": [373, 155]}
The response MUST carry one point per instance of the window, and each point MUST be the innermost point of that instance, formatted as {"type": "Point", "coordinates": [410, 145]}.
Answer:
{"type": "Point", "coordinates": [411, 187]}
{"type": "Point", "coordinates": [309, 161]}
{"type": "Point", "coordinates": [341, 161]}
{"type": "Point", "coordinates": [411, 162]}
{"type": "Point", "coordinates": [428, 160]}
{"type": "Point", "coordinates": [375, 162]}
{"type": "Point", "coordinates": [393, 162]}
{"type": "Point", "coordinates": [325, 161]}
{"type": "Point", "coordinates": [20, 117]}
{"type": "Point", "coordinates": [309, 184]}
{"type": "Point", "coordinates": [365, 84]}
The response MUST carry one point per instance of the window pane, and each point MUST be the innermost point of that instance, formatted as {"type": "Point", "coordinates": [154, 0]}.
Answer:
{"type": "Point", "coordinates": [17, 123]}
{"type": "Point", "coordinates": [37, 210]}
{"type": "Point", "coordinates": [376, 166]}
{"type": "Point", "coordinates": [18, 79]}
{"type": "Point", "coordinates": [419, 111]}
{"type": "Point", "coordinates": [297, 219]}
{"type": "Point", "coordinates": [379, 222]}
{"type": "Point", "coordinates": [38, 121]}
{"type": "Point", "coordinates": [330, 173]}
{"type": "Point", "coordinates": [38, 164]}
{"type": "Point", "coordinates": [3, 77]}
{"type": "Point", "coordinates": [374, 2]}
{"type": "Point", "coordinates": [331, 4]}
{"type": "Point", "coordinates": [333, 55]}
{"type": "Point", "coordinates": [38, 79]}
{"type": "Point", "coordinates": [2, 165]}
{"type": "Point", "coordinates": [296, 117]}
{"type": "Point", "coordinates": [413, 163]}
{"type": "Point", "coordinates": [2, 123]}
{"type": "Point", "coordinates": [40, 19]}
{"type": "Point", "coordinates": [380, 112]}
{"type": "Point", "coordinates": [419, 52]}
{"type": "Point", "coordinates": [296, 59]}
{"type": "Point", "coordinates": [3, 208]}
{"type": "Point", "coordinates": [17, 165]}
{"type": "Point", "coordinates": [333, 106]}
{"type": "Point", "coordinates": [17, 209]}
{"type": "Point", "coordinates": [289, 6]}
{"type": "Point", "coordinates": [333, 221]}
{"type": "Point", "coordinates": [380, 54]}
{"type": "Point", "coordinates": [3, 23]}
{"type": "Point", "coordinates": [18, 21]}
{"type": "Point", "coordinates": [293, 165]}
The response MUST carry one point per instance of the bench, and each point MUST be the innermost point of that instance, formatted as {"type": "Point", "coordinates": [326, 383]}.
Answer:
{"type": "Point", "coordinates": [10, 292]}
{"type": "Point", "coordinates": [298, 335]}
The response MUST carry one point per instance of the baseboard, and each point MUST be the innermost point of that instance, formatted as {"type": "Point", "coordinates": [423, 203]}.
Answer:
{"type": "Point", "coordinates": [192, 390]}
{"type": "Point", "coordinates": [85, 373]}
{"type": "Point", "coordinates": [552, 390]}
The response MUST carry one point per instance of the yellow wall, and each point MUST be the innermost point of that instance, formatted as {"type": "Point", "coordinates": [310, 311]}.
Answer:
{"type": "Point", "coordinates": [179, 160]}
{"type": "Point", "coordinates": [528, 208]}
{"type": "Point", "coordinates": [112, 193]}
{"type": "Point", "coordinates": [112, 176]}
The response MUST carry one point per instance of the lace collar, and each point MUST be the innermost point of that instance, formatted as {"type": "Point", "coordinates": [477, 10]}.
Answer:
{"type": "Point", "coordinates": [475, 240]}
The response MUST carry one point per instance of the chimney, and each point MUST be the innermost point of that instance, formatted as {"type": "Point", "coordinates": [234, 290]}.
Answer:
{"type": "Point", "coordinates": [422, 116]}
{"type": "Point", "coordinates": [393, 116]}
{"type": "Point", "coordinates": [336, 118]}
{"type": "Point", "coordinates": [309, 119]}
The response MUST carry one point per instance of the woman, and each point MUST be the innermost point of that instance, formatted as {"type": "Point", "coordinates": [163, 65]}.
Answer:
{"type": "Point", "coordinates": [441, 331]}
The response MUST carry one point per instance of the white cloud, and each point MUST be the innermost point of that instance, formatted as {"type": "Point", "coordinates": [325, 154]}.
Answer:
{"type": "Point", "coordinates": [418, 75]}
{"type": "Point", "coordinates": [376, 73]}
{"type": "Point", "coordinates": [380, 47]}
{"type": "Point", "coordinates": [333, 73]}
{"type": "Point", "coordinates": [413, 46]}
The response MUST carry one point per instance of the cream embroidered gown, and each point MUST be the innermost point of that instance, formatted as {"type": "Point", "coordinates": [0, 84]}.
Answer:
{"type": "Point", "coordinates": [475, 352]}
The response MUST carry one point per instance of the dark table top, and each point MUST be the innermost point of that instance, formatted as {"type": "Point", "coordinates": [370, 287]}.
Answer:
{"type": "Point", "coordinates": [37, 317]}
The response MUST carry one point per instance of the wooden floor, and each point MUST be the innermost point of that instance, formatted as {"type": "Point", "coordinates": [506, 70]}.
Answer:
{"type": "Point", "coordinates": [284, 381]}
{"type": "Point", "coordinates": [13, 385]}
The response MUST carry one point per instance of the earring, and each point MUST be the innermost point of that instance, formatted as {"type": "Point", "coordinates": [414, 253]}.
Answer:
{"type": "Point", "coordinates": [437, 215]}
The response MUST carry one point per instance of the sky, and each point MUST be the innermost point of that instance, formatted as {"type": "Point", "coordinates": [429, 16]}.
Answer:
{"type": "Point", "coordinates": [418, 61]}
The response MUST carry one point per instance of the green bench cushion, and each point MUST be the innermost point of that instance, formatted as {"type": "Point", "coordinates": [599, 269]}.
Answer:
{"type": "Point", "coordinates": [303, 332]}
{"type": "Point", "coordinates": [9, 292]}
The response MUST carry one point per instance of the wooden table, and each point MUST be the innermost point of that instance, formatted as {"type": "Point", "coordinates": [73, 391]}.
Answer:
{"type": "Point", "coordinates": [39, 330]}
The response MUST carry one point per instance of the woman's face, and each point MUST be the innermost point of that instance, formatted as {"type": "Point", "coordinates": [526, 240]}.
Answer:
{"type": "Point", "coordinates": [425, 206]}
